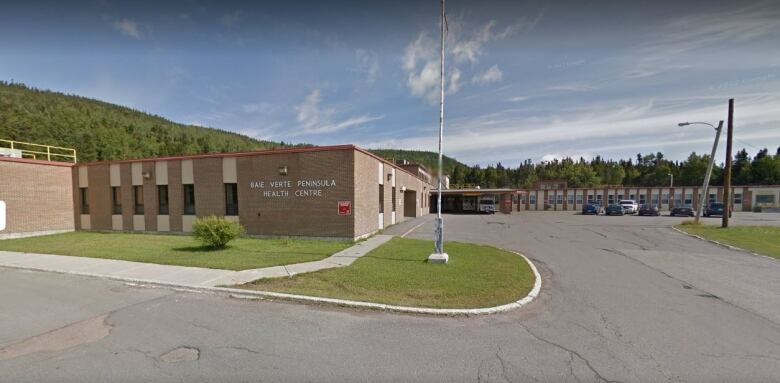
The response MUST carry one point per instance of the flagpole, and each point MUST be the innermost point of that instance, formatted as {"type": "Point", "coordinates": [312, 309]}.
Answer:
{"type": "Point", "coordinates": [439, 256]}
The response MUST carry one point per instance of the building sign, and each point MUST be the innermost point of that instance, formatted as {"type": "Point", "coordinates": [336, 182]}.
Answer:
{"type": "Point", "coordinates": [306, 188]}
{"type": "Point", "coordinates": [345, 207]}
{"type": "Point", "coordinates": [2, 215]}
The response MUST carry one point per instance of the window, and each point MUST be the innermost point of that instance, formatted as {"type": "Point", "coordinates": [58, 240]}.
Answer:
{"type": "Point", "coordinates": [579, 199]}
{"type": "Point", "coordinates": [570, 199]}
{"type": "Point", "coordinates": [532, 199]}
{"type": "Point", "coordinates": [84, 201]}
{"type": "Point", "coordinates": [116, 200]}
{"type": "Point", "coordinates": [767, 199]}
{"type": "Point", "coordinates": [677, 199]}
{"type": "Point", "coordinates": [599, 198]}
{"type": "Point", "coordinates": [665, 198]}
{"type": "Point", "coordinates": [619, 197]}
{"type": "Point", "coordinates": [381, 199]}
{"type": "Point", "coordinates": [394, 201]}
{"type": "Point", "coordinates": [138, 199]}
{"type": "Point", "coordinates": [611, 199]}
{"type": "Point", "coordinates": [231, 199]}
{"type": "Point", "coordinates": [688, 198]}
{"type": "Point", "coordinates": [551, 199]}
{"type": "Point", "coordinates": [738, 198]}
{"type": "Point", "coordinates": [559, 199]}
{"type": "Point", "coordinates": [189, 199]}
{"type": "Point", "coordinates": [631, 196]}
{"type": "Point", "coordinates": [654, 199]}
{"type": "Point", "coordinates": [162, 199]}
{"type": "Point", "coordinates": [590, 198]}
{"type": "Point", "coordinates": [713, 198]}
{"type": "Point", "coordinates": [642, 199]}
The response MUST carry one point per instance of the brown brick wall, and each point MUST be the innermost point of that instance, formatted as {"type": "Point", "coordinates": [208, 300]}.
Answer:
{"type": "Point", "coordinates": [150, 196]}
{"type": "Point", "coordinates": [365, 207]}
{"type": "Point", "coordinates": [175, 195]}
{"type": "Point", "coordinates": [38, 196]}
{"type": "Point", "coordinates": [291, 215]}
{"type": "Point", "coordinates": [126, 189]}
{"type": "Point", "coordinates": [209, 188]}
{"type": "Point", "coordinates": [99, 196]}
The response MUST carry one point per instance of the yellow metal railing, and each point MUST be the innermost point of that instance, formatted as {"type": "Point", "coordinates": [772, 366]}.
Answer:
{"type": "Point", "coordinates": [30, 150]}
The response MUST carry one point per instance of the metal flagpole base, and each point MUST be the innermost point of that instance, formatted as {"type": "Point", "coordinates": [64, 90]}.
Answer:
{"type": "Point", "coordinates": [438, 258]}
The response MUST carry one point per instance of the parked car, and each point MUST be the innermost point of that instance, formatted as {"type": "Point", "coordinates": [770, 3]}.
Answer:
{"type": "Point", "coordinates": [629, 206]}
{"type": "Point", "coordinates": [615, 209]}
{"type": "Point", "coordinates": [487, 206]}
{"type": "Point", "coordinates": [648, 209]}
{"type": "Point", "coordinates": [684, 211]}
{"type": "Point", "coordinates": [592, 209]}
{"type": "Point", "coordinates": [715, 208]}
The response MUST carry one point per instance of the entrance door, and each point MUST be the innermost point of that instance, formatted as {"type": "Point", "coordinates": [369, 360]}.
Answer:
{"type": "Point", "coordinates": [410, 203]}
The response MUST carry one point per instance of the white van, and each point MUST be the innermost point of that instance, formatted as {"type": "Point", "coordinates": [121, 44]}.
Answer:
{"type": "Point", "coordinates": [487, 206]}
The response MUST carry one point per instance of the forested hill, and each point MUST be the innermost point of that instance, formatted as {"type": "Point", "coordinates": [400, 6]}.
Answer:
{"type": "Point", "coordinates": [427, 159]}
{"type": "Point", "coordinates": [102, 131]}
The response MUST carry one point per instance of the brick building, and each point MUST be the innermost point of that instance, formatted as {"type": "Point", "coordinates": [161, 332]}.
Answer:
{"type": "Point", "coordinates": [334, 192]}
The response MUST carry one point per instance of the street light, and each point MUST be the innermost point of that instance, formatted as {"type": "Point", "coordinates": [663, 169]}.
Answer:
{"type": "Point", "coordinates": [705, 187]}
{"type": "Point", "coordinates": [671, 180]}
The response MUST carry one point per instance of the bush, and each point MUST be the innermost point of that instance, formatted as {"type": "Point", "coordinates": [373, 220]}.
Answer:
{"type": "Point", "coordinates": [216, 232]}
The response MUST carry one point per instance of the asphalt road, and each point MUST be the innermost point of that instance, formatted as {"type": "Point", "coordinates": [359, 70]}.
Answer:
{"type": "Point", "coordinates": [624, 299]}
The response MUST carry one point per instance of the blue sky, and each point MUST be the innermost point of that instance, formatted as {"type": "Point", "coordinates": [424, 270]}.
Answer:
{"type": "Point", "coordinates": [525, 80]}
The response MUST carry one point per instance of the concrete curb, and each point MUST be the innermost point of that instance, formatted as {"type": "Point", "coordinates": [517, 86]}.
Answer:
{"type": "Point", "coordinates": [250, 294]}
{"type": "Point", "coordinates": [721, 244]}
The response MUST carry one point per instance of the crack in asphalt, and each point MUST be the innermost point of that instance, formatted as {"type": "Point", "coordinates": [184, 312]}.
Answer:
{"type": "Point", "coordinates": [571, 352]}
{"type": "Point", "coordinates": [686, 283]}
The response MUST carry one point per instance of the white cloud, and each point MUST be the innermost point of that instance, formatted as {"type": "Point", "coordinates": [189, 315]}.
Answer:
{"type": "Point", "coordinates": [128, 28]}
{"type": "Point", "coordinates": [317, 120]}
{"type": "Point", "coordinates": [518, 98]}
{"type": "Point", "coordinates": [489, 76]}
{"type": "Point", "coordinates": [367, 64]}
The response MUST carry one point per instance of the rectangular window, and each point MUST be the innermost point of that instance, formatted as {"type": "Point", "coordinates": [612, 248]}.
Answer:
{"type": "Point", "coordinates": [688, 198]}
{"type": "Point", "coordinates": [579, 199]}
{"type": "Point", "coordinates": [611, 199]}
{"type": "Point", "coordinates": [599, 198]}
{"type": "Point", "coordinates": [231, 199]}
{"type": "Point", "coordinates": [713, 197]}
{"type": "Point", "coordinates": [570, 199]}
{"type": "Point", "coordinates": [550, 199]}
{"type": "Point", "coordinates": [642, 199]}
{"type": "Point", "coordinates": [654, 199]}
{"type": "Point", "coordinates": [394, 201]}
{"type": "Point", "coordinates": [138, 199]}
{"type": "Point", "coordinates": [619, 197]}
{"type": "Point", "coordinates": [631, 196]}
{"type": "Point", "coordinates": [738, 198]}
{"type": "Point", "coordinates": [677, 199]}
{"type": "Point", "coordinates": [116, 200]}
{"type": "Point", "coordinates": [381, 199]}
{"type": "Point", "coordinates": [532, 199]}
{"type": "Point", "coordinates": [189, 199]}
{"type": "Point", "coordinates": [162, 199]}
{"type": "Point", "coordinates": [665, 198]}
{"type": "Point", "coordinates": [559, 199]}
{"type": "Point", "coordinates": [590, 198]}
{"type": "Point", "coordinates": [84, 201]}
{"type": "Point", "coordinates": [767, 199]}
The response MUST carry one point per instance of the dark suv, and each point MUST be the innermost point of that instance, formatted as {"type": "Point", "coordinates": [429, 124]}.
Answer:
{"type": "Point", "coordinates": [715, 208]}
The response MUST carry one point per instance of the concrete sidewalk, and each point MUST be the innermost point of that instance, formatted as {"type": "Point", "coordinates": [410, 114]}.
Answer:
{"type": "Point", "coordinates": [178, 275]}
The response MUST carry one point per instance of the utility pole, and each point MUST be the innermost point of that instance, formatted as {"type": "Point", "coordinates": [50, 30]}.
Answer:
{"type": "Point", "coordinates": [671, 180]}
{"type": "Point", "coordinates": [727, 176]}
{"type": "Point", "coordinates": [705, 187]}
{"type": "Point", "coordinates": [439, 256]}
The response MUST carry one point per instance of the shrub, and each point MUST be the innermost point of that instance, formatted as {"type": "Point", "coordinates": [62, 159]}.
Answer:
{"type": "Point", "coordinates": [216, 232]}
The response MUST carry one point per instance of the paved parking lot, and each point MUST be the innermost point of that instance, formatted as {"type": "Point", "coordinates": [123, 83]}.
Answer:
{"type": "Point", "coordinates": [623, 299]}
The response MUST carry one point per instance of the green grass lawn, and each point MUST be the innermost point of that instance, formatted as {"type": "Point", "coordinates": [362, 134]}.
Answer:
{"type": "Point", "coordinates": [760, 239]}
{"type": "Point", "coordinates": [397, 273]}
{"type": "Point", "coordinates": [181, 250]}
